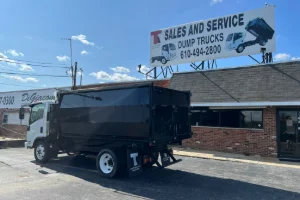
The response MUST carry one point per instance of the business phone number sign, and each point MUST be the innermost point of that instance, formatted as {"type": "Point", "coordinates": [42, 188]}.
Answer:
{"type": "Point", "coordinates": [234, 35]}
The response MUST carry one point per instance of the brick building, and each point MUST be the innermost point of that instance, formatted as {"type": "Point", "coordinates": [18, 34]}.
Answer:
{"type": "Point", "coordinates": [250, 110]}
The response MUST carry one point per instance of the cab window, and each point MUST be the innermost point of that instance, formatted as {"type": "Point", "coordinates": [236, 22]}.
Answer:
{"type": "Point", "coordinates": [37, 112]}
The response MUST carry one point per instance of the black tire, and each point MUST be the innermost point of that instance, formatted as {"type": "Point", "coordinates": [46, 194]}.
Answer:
{"type": "Point", "coordinates": [164, 60]}
{"type": "Point", "coordinates": [240, 48]}
{"type": "Point", "coordinates": [42, 152]}
{"type": "Point", "coordinates": [108, 163]}
{"type": "Point", "coordinates": [262, 42]}
{"type": "Point", "coordinates": [152, 60]}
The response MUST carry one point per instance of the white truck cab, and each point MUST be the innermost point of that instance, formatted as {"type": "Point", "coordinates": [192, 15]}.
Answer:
{"type": "Point", "coordinates": [235, 41]}
{"type": "Point", "coordinates": [38, 127]}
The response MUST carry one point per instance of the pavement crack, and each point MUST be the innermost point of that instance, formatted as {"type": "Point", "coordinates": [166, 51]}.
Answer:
{"type": "Point", "coordinates": [4, 163]}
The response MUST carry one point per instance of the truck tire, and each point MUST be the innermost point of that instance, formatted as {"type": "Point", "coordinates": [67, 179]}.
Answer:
{"type": "Point", "coordinates": [240, 48]}
{"type": "Point", "coordinates": [152, 60]}
{"type": "Point", "coordinates": [262, 42]}
{"type": "Point", "coordinates": [108, 163]}
{"type": "Point", "coordinates": [42, 152]}
{"type": "Point", "coordinates": [163, 60]}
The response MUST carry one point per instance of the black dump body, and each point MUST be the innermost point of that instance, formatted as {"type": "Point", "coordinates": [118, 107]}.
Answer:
{"type": "Point", "coordinates": [143, 113]}
{"type": "Point", "coordinates": [260, 29]}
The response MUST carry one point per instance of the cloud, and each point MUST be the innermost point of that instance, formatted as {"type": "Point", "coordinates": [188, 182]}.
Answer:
{"type": "Point", "coordinates": [14, 53]}
{"type": "Point", "coordinates": [21, 79]}
{"type": "Point", "coordinates": [120, 69]}
{"type": "Point", "coordinates": [28, 37]}
{"type": "Point", "coordinates": [99, 48]}
{"type": "Point", "coordinates": [282, 57]}
{"type": "Point", "coordinates": [25, 67]}
{"type": "Point", "coordinates": [62, 58]}
{"type": "Point", "coordinates": [44, 85]}
{"type": "Point", "coordinates": [82, 38]}
{"type": "Point", "coordinates": [104, 76]}
{"type": "Point", "coordinates": [213, 2]}
{"type": "Point", "coordinates": [84, 52]}
{"type": "Point", "coordinates": [295, 58]}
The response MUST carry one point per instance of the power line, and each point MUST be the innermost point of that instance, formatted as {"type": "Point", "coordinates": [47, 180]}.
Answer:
{"type": "Point", "coordinates": [34, 65]}
{"type": "Point", "coordinates": [18, 85]}
{"type": "Point", "coordinates": [43, 63]}
{"type": "Point", "coordinates": [49, 75]}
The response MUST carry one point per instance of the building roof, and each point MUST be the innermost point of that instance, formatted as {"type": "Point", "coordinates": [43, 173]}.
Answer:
{"type": "Point", "coordinates": [275, 82]}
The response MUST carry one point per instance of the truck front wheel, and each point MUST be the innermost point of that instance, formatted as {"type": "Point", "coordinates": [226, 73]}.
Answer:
{"type": "Point", "coordinates": [163, 60]}
{"type": "Point", "coordinates": [108, 163]}
{"type": "Point", "coordinates": [41, 152]}
{"type": "Point", "coordinates": [240, 48]}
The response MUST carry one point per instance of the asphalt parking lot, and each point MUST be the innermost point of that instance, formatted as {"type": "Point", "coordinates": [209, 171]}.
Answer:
{"type": "Point", "coordinates": [193, 178]}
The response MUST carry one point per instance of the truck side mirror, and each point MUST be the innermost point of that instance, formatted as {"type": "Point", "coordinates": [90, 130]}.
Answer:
{"type": "Point", "coordinates": [22, 113]}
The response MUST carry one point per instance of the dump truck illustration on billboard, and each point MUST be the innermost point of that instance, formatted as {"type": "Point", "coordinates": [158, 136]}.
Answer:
{"type": "Point", "coordinates": [168, 52]}
{"type": "Point", "coordinates": [258, 28]}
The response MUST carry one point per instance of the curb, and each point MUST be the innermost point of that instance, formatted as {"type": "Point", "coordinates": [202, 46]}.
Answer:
{"type": "Point", "coordinates": [203, 156]}
{"type": "Point", "coordinates": [11, 144]}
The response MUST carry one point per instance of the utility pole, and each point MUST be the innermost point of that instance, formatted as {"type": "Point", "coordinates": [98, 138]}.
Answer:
{"type": "Point", "coordinates": [74, 76]}
{"type": "Point", "coordinates": [80, 76]}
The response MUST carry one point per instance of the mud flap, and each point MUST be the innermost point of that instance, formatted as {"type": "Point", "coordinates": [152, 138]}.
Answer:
{"type": "Point", "coordinates": [166, 158]}
{"type": "Point", "coordinates": [134, 162]}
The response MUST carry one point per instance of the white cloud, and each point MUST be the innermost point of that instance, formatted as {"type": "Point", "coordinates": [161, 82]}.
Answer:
{"type": "Point", "coordinates": [2, 55]}
{"type": "Point", "coordinates": [25, 67]}
{"type": "Point", "coordinates": [28, 37]}
{"type": "Point", "coordinates": [84, 52]}
{"type": "Point", "coordinates": [82, 38]}
{"type": "Point", "coordinates": [99, 48]}
{"type": "Point", "coordinates": [62, 58]}
{"type": "Point", "coordinates": [14, 53]}
{"type": "Point", "coordinates": [104, 76]}
{"type": "Point", "coordinates": [213, 2]}
{"type": "Point", "coordinates": [120, 69]}
{"type": "Point", "coordinates": [44, 85]}
{"type": "Point", "coordinates": [282, 57]}
{"type": "Point", "coordinates": [21, 79]}
{"type": "Point", "coordinates": [295, 58]}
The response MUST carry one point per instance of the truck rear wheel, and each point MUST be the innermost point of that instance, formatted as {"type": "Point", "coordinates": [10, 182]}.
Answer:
{"type": "Point", "coordinates": [163, 60]}
{"type": "Point", "coordinates": [108, 163]}
{"type": "Point", "coordinates": [262, 42]}
{"type": "Point", "coordinates": [240, 48]}
{"type": "Point", "coordinates": [41, 152]}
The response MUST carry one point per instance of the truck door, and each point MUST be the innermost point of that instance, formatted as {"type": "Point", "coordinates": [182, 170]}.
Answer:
{"type": "Point", "coordinates": [165, 51]}
{"type": "Point", "coordinates": [36, 123]}
{"type": "Point", "coordinates": [237, 40]}
{"type": "Point", "coordinates": [172, 51]}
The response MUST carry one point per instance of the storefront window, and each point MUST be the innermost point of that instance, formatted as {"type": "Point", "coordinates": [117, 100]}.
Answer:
{"type": "Point", "coordinates": [227, 118]}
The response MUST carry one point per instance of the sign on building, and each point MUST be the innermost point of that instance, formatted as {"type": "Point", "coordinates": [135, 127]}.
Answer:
{"type": "Point", "coordinates": [16, 99]}
{"type": "Point", "coordinates": [234, 35]}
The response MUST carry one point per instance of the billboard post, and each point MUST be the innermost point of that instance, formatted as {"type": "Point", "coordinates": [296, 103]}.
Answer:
{"type": "Point", "coordinates": [234, 35]}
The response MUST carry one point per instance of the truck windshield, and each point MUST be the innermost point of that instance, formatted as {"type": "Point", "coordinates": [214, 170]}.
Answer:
{"type": "Point", "coordinates": [172, 47]}
{"type": "Point", "coordinates": [37, 112]}
{"type": "Point", "coordinates": [229, 37]}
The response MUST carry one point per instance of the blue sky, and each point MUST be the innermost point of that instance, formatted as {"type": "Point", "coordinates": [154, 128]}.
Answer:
{"type": "Point", "coordinates": [110, 38]}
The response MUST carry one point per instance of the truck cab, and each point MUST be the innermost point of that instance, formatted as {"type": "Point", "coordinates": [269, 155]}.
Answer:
{"type": "Point", "coordinates": [168, 53]}
{"type": "Point", "coordinates": [38, 127]}
{"type": "Point", "coordinates": [235, 41]}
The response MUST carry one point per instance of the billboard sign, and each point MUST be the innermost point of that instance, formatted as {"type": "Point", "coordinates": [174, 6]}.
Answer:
{"type": "Point", "coordinates": [234, 35]}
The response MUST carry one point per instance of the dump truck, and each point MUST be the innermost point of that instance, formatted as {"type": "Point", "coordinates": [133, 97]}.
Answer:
{"type": "Point", "coordinates": [126, 129]}
{"type": "Point", "coordinates": [258, 28]}
{"type": "Point", "coordinates": [168, 53]}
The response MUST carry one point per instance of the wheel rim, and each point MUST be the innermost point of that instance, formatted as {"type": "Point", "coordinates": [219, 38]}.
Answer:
{"type": "Point", "coordinates": [106, 163]}
{"type": "Point", "coordinates": [163, 61]}
{"type": "Point", "coordinates": [241, 48]}
{"type": "Point", "coordinates": [40, 151]}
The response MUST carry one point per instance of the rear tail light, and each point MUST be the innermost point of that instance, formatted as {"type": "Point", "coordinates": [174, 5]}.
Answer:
{"type": "Point", "coordinates": [147, 159]}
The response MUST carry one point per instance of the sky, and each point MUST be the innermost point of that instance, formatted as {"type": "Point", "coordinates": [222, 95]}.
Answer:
{"type": "Point", "coordinates": [111, 38]}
